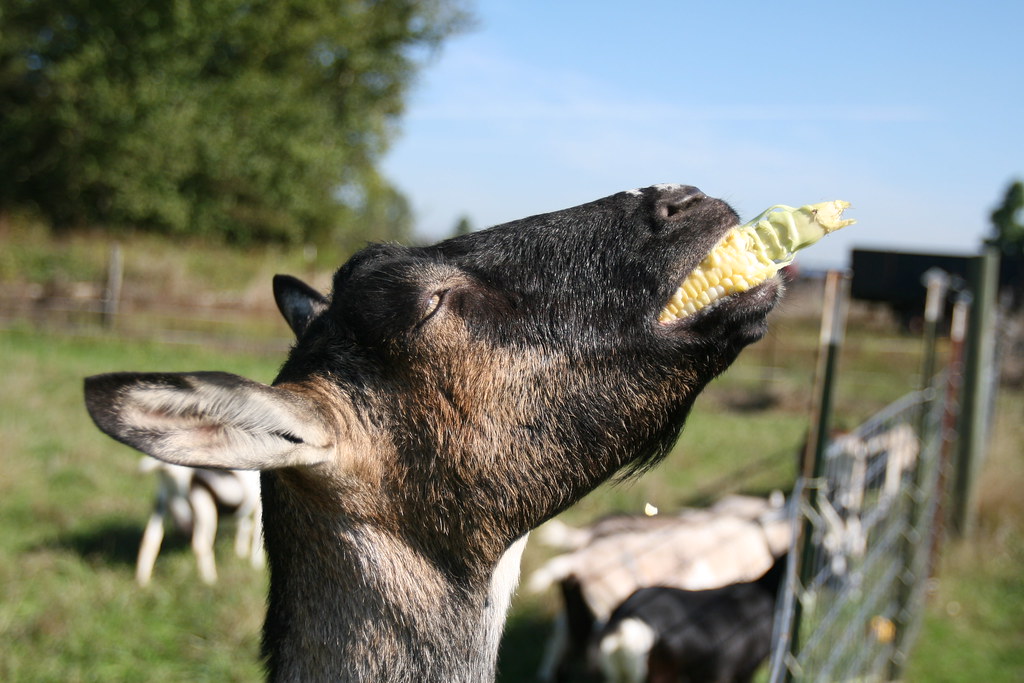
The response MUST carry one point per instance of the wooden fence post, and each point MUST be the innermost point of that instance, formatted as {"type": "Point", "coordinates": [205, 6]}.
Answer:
{"type": "Point", "coordinates": [112, 294]}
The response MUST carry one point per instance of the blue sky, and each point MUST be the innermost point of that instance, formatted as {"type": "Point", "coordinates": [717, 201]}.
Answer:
{"type": "Point", "coordinates": [912, 111]}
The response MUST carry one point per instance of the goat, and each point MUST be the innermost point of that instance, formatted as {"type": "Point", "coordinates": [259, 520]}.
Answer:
{"type": "Point", "coordinates": [662, 634]}
{"type": "Point", "coordinates": [734, 540]}
{"type": "Point", "coordinates": [192, 497]}
{"type": "Point", "coordinates": [444, 401]}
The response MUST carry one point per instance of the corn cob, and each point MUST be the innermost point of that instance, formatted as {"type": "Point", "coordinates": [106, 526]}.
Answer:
{"type": "Point", "coordinates": [751, 253]}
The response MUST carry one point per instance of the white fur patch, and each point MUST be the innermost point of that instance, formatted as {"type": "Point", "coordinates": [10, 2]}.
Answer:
{"type": "Point", "coordinates": [503, 584]}
{"type": "Point", "coordinates": [624, 651]}
{"type": "Point", "coordinates": [506, 576]}
{"type": "Point", "coordinates": [661, 187]}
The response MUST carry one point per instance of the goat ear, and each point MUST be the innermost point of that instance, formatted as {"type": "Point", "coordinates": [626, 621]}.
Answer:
{"type": "Point", "coordinates": [209, 419]}
{"type": "Point", "coordinates": [298, 302]}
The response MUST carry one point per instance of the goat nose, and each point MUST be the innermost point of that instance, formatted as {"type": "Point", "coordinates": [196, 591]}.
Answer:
{"type": "Point", "coordinates": [676, 199]}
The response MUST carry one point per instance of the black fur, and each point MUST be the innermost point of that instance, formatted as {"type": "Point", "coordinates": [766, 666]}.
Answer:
{"type": "Point", "coordinates": [721, 635]}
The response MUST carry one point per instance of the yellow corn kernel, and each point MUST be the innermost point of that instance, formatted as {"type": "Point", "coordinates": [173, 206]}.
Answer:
{"type": "Point", "coordinates": [730, 268]}
{"type": "Point", "coordinates": [750, 254]}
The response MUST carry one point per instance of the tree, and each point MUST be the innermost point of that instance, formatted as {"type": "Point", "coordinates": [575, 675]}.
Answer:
{"type": "Point", "coordinates": [243, 120]}
{"type": "Point", "coordinates": [1008, 222]}
{"type": "Point", "coordinates": [463, 226]}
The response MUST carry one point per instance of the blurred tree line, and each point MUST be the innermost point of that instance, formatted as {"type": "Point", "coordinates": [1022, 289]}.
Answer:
{"type": "Point", "coordinates": [1008, 222]}
{"type": "Point", "coordinates": [248, 121]}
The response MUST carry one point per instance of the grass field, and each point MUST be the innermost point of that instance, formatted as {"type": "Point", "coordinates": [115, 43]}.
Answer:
{"type": "Point", "coordinates": [72, 508]}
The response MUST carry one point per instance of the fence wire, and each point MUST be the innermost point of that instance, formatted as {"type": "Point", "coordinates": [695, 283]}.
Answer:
{"type": "Point", "coordinates": [862, 540]}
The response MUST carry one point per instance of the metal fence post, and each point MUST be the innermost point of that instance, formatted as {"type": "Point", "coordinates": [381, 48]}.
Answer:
{"type": "Point", "coordinates": [936, 282]}
{"type": "Point", "coordinates": [947, 433]}
{"type": "Point", "coordinates": [979, 356]}
{"type": "Point", "coordinates": [833, 323]}
{"type": "Point", "coordinates": [915, 563]}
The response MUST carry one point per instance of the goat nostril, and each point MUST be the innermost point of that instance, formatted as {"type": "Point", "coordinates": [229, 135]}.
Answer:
{"type": "Point", "coordinates": [672, 208]}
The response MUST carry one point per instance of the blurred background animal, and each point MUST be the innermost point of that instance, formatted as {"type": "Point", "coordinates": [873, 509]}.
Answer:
{"type": "Point", "coordinates": [734, 540]}
{"type": "Point", "coordinates": [193, 498]}
{"type": "Point", "coordinates": [668, 635]}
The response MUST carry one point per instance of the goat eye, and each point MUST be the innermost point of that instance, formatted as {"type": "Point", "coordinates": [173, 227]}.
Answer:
{"type": "Point", "coordinates": [432, 304]}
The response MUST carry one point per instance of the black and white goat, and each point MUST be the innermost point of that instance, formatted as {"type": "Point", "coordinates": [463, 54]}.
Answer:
{"type": "Point", "coordinates": [192, 497]}
{"type": "Point", "coordinates": [662, 634]}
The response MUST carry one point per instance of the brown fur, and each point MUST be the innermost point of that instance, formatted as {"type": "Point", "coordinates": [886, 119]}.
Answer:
{"type": "Point", "coordinates": [440, 404]}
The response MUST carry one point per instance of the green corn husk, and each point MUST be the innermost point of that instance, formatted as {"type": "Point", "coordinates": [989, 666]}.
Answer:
{"type": "Point", "coordinates": [781, 231]}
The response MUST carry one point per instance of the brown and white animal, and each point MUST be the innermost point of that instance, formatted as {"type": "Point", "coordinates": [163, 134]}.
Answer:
{"type": "Point", "coordinates": [192, 498]}
{"type": "Point", "coordinates": [444, 401]}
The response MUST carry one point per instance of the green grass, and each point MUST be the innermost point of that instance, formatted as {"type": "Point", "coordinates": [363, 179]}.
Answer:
{"type": "Point", "coordinates": [72, 507]}
{"type": "Point", "coordinates": [974, 626]}
{"type": "Point", "coordinates": [974, 618]}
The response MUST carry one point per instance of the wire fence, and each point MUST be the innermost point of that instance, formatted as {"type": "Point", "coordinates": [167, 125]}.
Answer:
{"type": "Point", "coordinates": [870, 513]}
{"type": "Point", "coordinates": [854, 599]}
{"type": "Point", "coordinates": [228, 325]}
